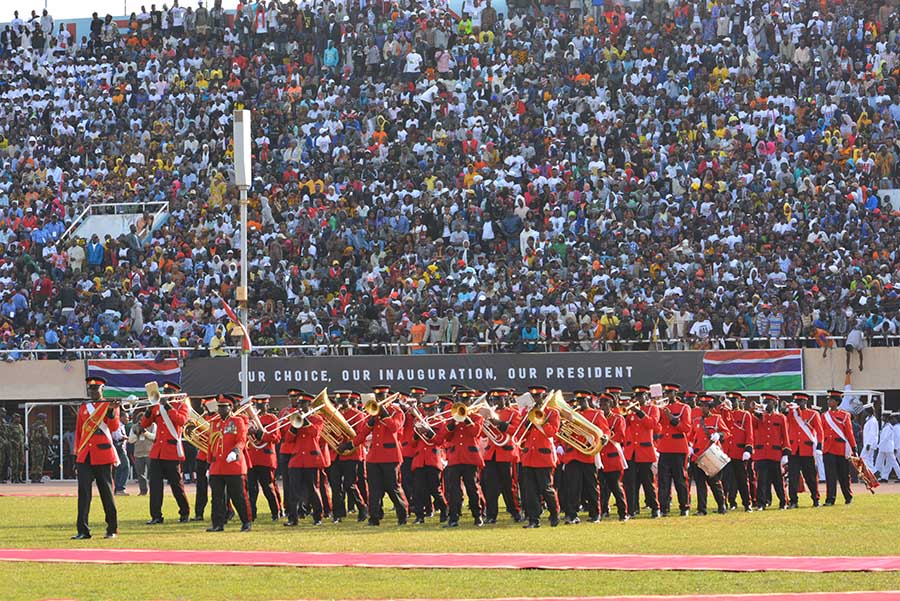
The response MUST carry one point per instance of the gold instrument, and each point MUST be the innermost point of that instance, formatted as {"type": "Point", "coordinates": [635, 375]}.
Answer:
{"type": "Point", "coordinates": [197, 431]}
{"type": "Point", "coordinates": [373, 407]}
{"type": "Point", "coordinates": [153, 398]}
{"type": "Point", "coordinates": [91, 424]}
{"type": "Point", "coordinates": [535, 418]}
{"type": "Point", "coordinates": [336, 430]}
{"type": "Point", "coordinates": [422, 427]}
{"type": "Point", "coordinates": [575, 430]}
{"type": "Point", "coordinates": [629, 407]}
{"type": "Point", "coordinates": [493, 433]}
{"type": "Point", "coordinates": [248, 408]}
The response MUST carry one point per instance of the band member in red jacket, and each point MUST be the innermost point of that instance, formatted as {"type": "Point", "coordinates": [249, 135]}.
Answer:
{"type": "Point", "coordinates": [674, 430]}
{"type": "Point", "coordinates": [838, 445]}
{"type": "Point", "coordinates": [286, 449]}
{"type": "Point", "coordinates": [383, 461]}
{"type": "Point", "coordinates": [739, 448]}
{"type": "Point", "coordinates": [642, 425]}
{"type": "Point", "coordinates": [806, 434]}
{"type": "Point", "coordinates": [209, 406]}
{"type": "Point", "coordinates": [501, 461]}
{"type": "Point", "coordinates": [459, 437]}
{"type": "Point", "coordinates": [538, 455]}
{"type": "Point", "coordinates": [612, 459]}
{"type": "Point", "coordinates": [771, 449]}
{"type": "Point", "coordinates": [407, 443]}
{"type": "Point", "coordinates": [263, 460]}
{"type": "Point", "coordinates": [228, 466]}
{"type": "Point", "coordinates": [580, 469]}
{"type": "Point", "coordinates": [342, 477]}
{"type": "Point", "coordinates": [167, 453]}
{"type": "Point", "coordinates": [305, 465]}
{"type": "Point", "coordinates": [428, 463]}
{"type": "Point", "coordinates": [96, 460]}
{"type": "Point", "coordinates": [709, 429]}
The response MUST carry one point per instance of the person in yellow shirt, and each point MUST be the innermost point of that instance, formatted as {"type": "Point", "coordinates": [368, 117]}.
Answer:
{"type": "Point", "coordinates": [217, 344]}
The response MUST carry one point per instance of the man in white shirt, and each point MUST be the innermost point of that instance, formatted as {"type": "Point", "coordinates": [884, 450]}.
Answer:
{"type": "Point", "coordinates": [887, 459]}
{"type": "Point", "coordinates": [870, 436]}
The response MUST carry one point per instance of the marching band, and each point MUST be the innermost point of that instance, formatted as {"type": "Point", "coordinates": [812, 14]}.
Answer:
{"type": "Point", "coordinates": [340, 453]}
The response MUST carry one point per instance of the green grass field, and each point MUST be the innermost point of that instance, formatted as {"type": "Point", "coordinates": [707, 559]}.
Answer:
{"type": "Point", "coordinates": [858, 529]}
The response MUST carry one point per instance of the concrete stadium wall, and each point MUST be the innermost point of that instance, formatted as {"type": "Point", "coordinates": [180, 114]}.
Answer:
{"type": "Point", "coordinates": [49, 380]}
{"type": "Point", "coordinates": [881, 369]}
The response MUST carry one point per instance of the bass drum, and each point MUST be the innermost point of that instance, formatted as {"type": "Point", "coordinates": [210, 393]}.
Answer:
{"type": "Point", "coordinates": [712, 460]}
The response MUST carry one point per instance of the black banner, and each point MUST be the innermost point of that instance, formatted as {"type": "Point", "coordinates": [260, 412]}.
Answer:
{"type": "Point", "coordinates": [566, 371]}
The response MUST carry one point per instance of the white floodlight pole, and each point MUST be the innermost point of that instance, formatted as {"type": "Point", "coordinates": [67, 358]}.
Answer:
{"type": "Point", "coordinates": [243, 179]}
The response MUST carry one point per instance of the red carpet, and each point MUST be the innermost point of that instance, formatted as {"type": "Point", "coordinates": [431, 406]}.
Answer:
{"type": "Point", "coordinates": [851, 596]}
{"type": "Point", "coordinates": [511, 561]}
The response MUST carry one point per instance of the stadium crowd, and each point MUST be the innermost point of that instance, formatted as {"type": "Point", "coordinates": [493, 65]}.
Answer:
{"type": "Point", "coordinates": [662, 174]}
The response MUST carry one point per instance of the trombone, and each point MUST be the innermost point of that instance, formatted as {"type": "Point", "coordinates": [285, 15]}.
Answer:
{"type": "Point", "coordinates": [153, 398]}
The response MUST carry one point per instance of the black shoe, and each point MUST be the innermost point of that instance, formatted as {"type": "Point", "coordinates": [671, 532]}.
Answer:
{"type": "Point", "coordinates": [430, 514]}
{"type": "Point", "coordinates": [554, 521]}
{"type": "Point", "coordinates": [363, 515]}
{"type": "Point", "coordinates": [829, 503]}
{"type": "Point", "coordinates": [184, 519]}
{"type": "Point", "coordinates": [782, 507]}
{"type": "Point", "coordinates": [153, 521]}
{"type": "Point", "coordinates": [748, 509]}
{"type": "Point", "coordinates": [654, 514]}
{"type": "Point", "coordinates": [197, 518]}
{"type": "Point", "coordinates": [110, 535]}
{"type": "Point", "coordinates": [335, 520]}
{"type": "Point", "coordinates": [701, 512]}
{"type": "Point", "coordinates": [517, 518]}
{"type": "Point", "coordinates": [684, 513]}
{"type": "Point", "coordinates": [605, 514]}
{"type": "Point", "coordinates": [401, 522]}
{"type": "Point", "coordinates": [443, 517]}
{"type": "Point", "coordinates": [721, 511]}
{"type": "Point", "coordinates": [246, 526]}
{"type": "Point", "coordinates": [571, 521]}
{"type": "Point", "coordinates": [594, 520]}
{"type": "Point", "coordinates": [81, 536]}
{"type": "Point", "coordinates": [793, 505]}
{"type": "Point", "coordinates": [451, 524]}
{"type": "Point", "coordinates": [374, 522]}
{"type": "Point", "coordinates": [624, 518]}
{"type": "Point", "coordinates": [479, 522]}
{"type": "Point", "coordinates": [216, 529]}
{"type": "Point", "coordinates": [815, 502]}
{"type": "Point", "coordinates": [663, 514]}
{"type": "Point", "coordinates": [733, 507]}
{"type": "Point", "coordinates": [494, 520]}
{"type": "Point", "coordinates": [848, 501]}
{"type": "Point", "coordinates": [319, 522]}
{"type": "Point", "coordinates": [419, 521]}
{"type": "Point", "coordinates": [532, 525]}
{"type": "Point", "coordinates": [290, 523]}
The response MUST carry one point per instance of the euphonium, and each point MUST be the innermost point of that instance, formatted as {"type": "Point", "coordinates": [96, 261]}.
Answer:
{"type": "Point", "coordinates": [494, 434]}
{"type": "Point", "coordinates": [575, 430]}
{"type": "Point", "coordinates": [196, 431]}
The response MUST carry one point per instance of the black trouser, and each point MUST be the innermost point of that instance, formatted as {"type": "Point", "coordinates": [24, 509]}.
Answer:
{"type": "Point", "coordinates": [225, 488]}
{"type": "Point", "coordinates": [497, 479]}
{"type": "Point", "coordinates": [171, 471]}
{"type": "Point", "coordinates": [261, 476]}
{"type": "Point", "coordinates": [581, 484]}
{"type": "Point", "coordinates": [362, 482]}
{"type": "Point", "coordinates": [455, 477]}
{"type": "Point", "coordinates": [715, 483]}
{"type": "Point", "coordinates": [305, 493]}
{"type": "Point", "coordinates": [382, 478]}
{"type": "Point", "coordinates": [406, 477]}
{"type": "Point", "coordinates": [768, 474]}
{"type": "Point", "coordinates": [427, 489]}
{"type": "Point", "coordinates": [103, 476]}
{"type": "Point", "coordinates": [837, 471]}
{"type": "Point", "coordinates": [738, 482]}
{"type": "Point", "coordinates": [537, 485]}
{"type": "Point", "coordinates": [642, 474]}
{"type": "Point", "coordinates": [559, 483]}
{"type": "Point", "coordinates": [670, 470]}
{"type": "Point", "coordinates": [806, 466]}
{"type": "Point", "coordinates": [283, 460]}
{"type": "Point", "coordinates": [630, 488]}
{"type": "Point", "coordinates": [202, 496]}
{"type": "Point", "coordinates": [610, 483]}
{"type": "Point", "coordinates": [342, 480]}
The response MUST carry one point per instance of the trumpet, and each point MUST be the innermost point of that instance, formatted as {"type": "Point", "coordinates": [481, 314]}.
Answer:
{"type": "Point", "coordinates": [373, 408]}
{"type": "Point", "coordinates": [629, 407]}
{"type": "Point", "coordinates": [535, 418]}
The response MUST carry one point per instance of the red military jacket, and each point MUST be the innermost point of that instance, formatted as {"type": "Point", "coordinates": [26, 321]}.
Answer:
{"type": "Point", "coordinates": [835, 443]}
{"type": "Point", "coordinates": [353, 416]}
{"type": "Point", "coordinates": [703, 428]}
{"type": "Point", "coordinates": [596, 417]}
{"type": "Point", "coordinates": [426, 454]}
{"type": "Point", "coordinates": [612, 454]}
{"type": "Point", "coordinates": [233, 431]}
{"type": "Point", "coordinates": [641, 431]}
{"type": "Point", "coordinates": [538, 448]}
{"type": "Point", "coordinates": [166, 446]}
{"type": "Point", "coordinates": [209, 417]}
{"type": "Point", "coordinates": [674, 439]}
{"type": "Point", "coordinates": [286, 448]}
{"type": "Point", "coordinates": [770, 436]}
{"type": "Point", "coordinates": [461, 443]}
{"type": "Point", "coordinates": [407, 444]}
{"type": "Point", "coordinates": [262, 452]}
{"type": "Point", "coordinates": [801, 444]}
{"type": "Point", "coordinates": [99, 449]}
{"type": "Point", "coordinates": [508, 453]}
{"type": "Point", "coordinates": [307, 444]}
{"type": "Point", "coordinates": [741, 426]}
{"type": "Point", "coordinates": [385, 447]}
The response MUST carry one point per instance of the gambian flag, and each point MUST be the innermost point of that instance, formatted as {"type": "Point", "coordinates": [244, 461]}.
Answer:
{"type": "Point", "coordinates": [125, 377]}
{"type": "Point", "coordinates": [759, 370]}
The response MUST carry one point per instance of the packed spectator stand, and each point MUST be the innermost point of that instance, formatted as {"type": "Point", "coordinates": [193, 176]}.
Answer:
{"type": "Point", "coordinates": [570, 177]}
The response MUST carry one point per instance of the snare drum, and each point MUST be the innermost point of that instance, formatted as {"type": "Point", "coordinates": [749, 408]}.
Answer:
{"type": "Point", "coordinates": [712, 460]}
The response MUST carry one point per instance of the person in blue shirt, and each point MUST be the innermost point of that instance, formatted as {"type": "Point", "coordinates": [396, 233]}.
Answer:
{"type": "Point", "coordinates": [95, 252]}
{"type": "Point", "coordinates": [530, 335]}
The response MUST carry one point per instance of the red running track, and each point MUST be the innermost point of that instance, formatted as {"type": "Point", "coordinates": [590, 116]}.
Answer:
{"type": "Point", "coordinates": [510, 561]}
{"type": "Point", "coordinates": [848, 596]}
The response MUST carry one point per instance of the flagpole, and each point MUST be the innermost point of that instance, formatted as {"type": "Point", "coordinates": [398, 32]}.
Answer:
{"type": "Point", "coordinates": [243, 178]}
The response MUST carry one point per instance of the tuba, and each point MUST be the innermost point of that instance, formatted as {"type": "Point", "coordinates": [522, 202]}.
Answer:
{"type": "Point", "coordinates": [336, 430]}
{"type": "Point", "coordinates": [575, 430]}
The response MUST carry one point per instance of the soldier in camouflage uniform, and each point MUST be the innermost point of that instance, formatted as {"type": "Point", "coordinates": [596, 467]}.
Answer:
{"type": "Point", "coordinates": [16, 445]}
{"type": "Point", "coordinates": [38, 446]}
{"type": "Point", "coordinates": [4, 447]}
